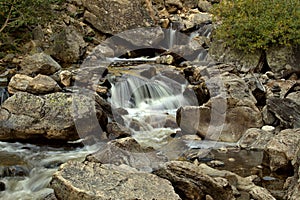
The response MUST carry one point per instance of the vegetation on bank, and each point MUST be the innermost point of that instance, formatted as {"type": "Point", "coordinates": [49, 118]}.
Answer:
{"type": "Point", "coordinates": [250, 25]}
{"type": "Point", "coordinates": [19, 17]}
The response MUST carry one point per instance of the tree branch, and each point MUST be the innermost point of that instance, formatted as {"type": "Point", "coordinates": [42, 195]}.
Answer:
{"type": "Point", "coordinates": [8, 16]}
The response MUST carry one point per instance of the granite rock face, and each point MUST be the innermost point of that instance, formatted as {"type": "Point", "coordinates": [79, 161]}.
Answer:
{"type": "Point", "coordinates": [88, 180]}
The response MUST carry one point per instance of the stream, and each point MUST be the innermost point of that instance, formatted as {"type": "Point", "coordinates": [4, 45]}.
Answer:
{"type": "Point", "coordinates": [151, 103]}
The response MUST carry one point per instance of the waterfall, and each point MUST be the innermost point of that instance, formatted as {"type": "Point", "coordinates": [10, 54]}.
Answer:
{"type": "Point", "coordinates": [150, 103]}
{"type": "Point", "coordinates": [172, 36]}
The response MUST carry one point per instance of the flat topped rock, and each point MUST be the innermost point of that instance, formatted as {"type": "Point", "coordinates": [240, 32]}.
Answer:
{"type": "Point", "coordinates": [91, 180]}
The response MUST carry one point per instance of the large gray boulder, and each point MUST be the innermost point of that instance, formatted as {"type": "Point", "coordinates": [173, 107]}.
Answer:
{"type": "Point", "coordinates": [53, 116]}
{"type": "Point", "coordinates": [88, 180]}
{"type": "Point", "coordinates": [114, 16]}
{"type": "Point", "coordinates": [281, 150]}
{"type": "Point", "coordinates": [222, 118]}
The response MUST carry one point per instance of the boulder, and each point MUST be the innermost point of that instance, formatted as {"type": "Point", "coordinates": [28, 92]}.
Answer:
{"type": "Point", "coordinates": [255, 138]}
{"type": "Point", "coordinates": [41, 84]}
{"type": "Point", "coordinates": [65, 77]}
{"type": "Point", "coordinates": [127, 151]}
{"type": "Point", "coordinates": [115, 16]}
{"type": "Point", "coordinates": [191, 183]}
{"type": "Point", "coordinates": [281, 150]}
{"type": "Point", "coordinates": [39, 63]}
{"type": "Point", "coordinates": [204, 6]}
{"type": "Point", "coordinates": [68, 45]}
{"type": "Point", "coordinates": [88, 180]}
{"type": "Point", "coordinates": [223, 117]}
{"type": "Point", "coordinates": [286, 110]}
{"type": "Point", "coordinates": [19, 82]}
{"type": "Point", "coordinates": [54, 116]}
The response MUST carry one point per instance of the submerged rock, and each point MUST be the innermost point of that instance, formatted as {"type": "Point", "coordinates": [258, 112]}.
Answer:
{"type": "Point", "coordinates": [27, 116]}
{"type": "Point", "coordinates": [88, 180]}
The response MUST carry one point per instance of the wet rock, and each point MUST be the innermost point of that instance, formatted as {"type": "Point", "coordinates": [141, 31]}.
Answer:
{"type": "Point", "coordinates": [101, 14]}
{"type": "Point", "coordinates": [286, 110]}
{"type": "Point", "coordinates": [167, 59]}
{"type": "Point", "coordinates": [68, 45]}
{"type": "Point", "coordinates": [191, 183]}
{"type": "Point", "coordinates": [149, 73]}
{"type": "Point", "coordinates": [88, 180]}
{"type": "Point", "coordinates": [51, 116]}
{"type": "Point", "coordinates": [16, 170]}
{"type": "Point", "coordinates": [255, 138]}
{"type": "Point", "coordinates": [2, 186]}
{"type": "Point", "coordinates": [127, 151]}
{"type": "Point", "coordinates": [116, 131]}
{"type": "Point", "coordinates": [39, 63]}
{"type": "Point", "coordinates": [281, 150]}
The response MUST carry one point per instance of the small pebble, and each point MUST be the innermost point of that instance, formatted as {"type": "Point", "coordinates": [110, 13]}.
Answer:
{"type": "Point", "coordinates": [231, 159]}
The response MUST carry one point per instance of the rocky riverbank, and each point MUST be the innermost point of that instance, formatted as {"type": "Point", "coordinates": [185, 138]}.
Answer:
{"type": "Point", "coordinates": [61, 88]}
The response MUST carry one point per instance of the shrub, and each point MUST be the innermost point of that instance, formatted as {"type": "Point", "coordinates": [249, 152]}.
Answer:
{"type": "Point", "coordinates": [250, 25]}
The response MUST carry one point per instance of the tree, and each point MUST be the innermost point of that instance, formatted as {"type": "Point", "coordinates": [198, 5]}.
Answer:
{"type": "Point", "coordinates": [250, 25]}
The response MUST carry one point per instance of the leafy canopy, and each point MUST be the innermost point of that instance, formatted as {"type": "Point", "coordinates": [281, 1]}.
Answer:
{"type": "Point", "coordinates": [250, 25]}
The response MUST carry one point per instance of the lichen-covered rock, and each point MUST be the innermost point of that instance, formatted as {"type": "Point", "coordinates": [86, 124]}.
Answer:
{"type": "Point", "coordinates": [39, 63]}
{"type": "Point", "coordinates": [281, 150]}
{"type": "Point", "coordinates": [88, 180]}
{"type": "Point", "coordinates": [115, 16]}
{"type": "Point", "coordinates": [27, 116]}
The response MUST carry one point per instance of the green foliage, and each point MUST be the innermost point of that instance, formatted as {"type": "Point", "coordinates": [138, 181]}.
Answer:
{"type": "Point", "coordinates": [250, 25]}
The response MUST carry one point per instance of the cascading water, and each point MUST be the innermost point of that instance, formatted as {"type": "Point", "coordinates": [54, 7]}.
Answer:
{"type": "Point", "coordinates": [150, 103]}
{"type": "Point", "coordinates": [26, 169]}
